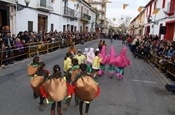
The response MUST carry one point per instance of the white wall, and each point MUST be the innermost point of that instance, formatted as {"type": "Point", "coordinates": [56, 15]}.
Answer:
{"type": "Point", "coordinates": [20, 19]}
{"type": "Point", "coordinates": [23, 17]}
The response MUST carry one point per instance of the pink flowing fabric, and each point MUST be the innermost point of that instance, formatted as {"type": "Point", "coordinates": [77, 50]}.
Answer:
{"type": "Point", "coordinates": [103, 55]}
{"type": "Point", "coordinates": [112, 55]}
{"type": "Point", "coordinates": [122, 60]}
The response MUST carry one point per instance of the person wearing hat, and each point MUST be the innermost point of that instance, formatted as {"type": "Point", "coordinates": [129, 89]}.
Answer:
{"type": "Point", "coordinates": [80, 57]}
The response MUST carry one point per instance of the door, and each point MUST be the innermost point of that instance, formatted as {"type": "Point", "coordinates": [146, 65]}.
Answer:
{"type": "Point", "coordinates": [170, 31]}
{"type": "Point", "coordinates": [43, 3]}
{"type": "Point", "coordinates": [42, 23]}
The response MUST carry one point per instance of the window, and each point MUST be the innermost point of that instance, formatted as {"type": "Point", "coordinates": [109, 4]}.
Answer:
{"type": "Point", "coordinates": [72, 28]}
{"type": "Point", "coordinates": [64, 28]}
{"type": "Point", "coordinates": [52, 27]}
{"type": "Point", "coordinates": [81, 28]}
{"type": "Point", "coordinates": [75, 28]}
{"type": "Point", "coordinates": [30, 26]}
{"type": "Point", "coordinates": [150, 8]}
{"type": "Point", "coordinates": [43, 3]}
{"type": "Point", "coordinates": [163, 3]}
{"type": "Point", "coordinates": [155, 3]}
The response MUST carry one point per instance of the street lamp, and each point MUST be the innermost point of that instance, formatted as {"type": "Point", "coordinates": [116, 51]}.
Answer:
{"type": "Point", "coordinates": [27, 2]}
{"type": "Point", "coordinates": [20, 7]}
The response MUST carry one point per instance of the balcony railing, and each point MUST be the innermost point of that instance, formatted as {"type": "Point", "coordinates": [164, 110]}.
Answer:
{"type": "Point", "coordinates": [68, 12]}
{"type": "Point", "coordinates": [9, 1]}
{"type": "Point", "coordinates": [85, 17]}
{"type": "Point", "coordinates": [98, 1]}
{"type": "Point", "coordinates": [45, 5]}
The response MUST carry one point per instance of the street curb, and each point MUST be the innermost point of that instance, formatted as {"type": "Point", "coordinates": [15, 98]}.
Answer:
{"type": "Point", "coordinates": [159, 74]}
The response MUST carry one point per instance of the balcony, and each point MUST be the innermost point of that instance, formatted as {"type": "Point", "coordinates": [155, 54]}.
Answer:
{"type": "Point", "coordinates": [98, 2]}
{"type": "Point", "coordinates": [70, 13]}
{"type": "Point", "coordinates": [170, 8]}
{"type": "Point", "coordinates": [9, 1]}
{"type": "Point", "coordinates": [85, 17]}
{"type": "Point", "coordinates": [102, 17]}
{"type": "Point", "coordinates": [45, 5]}
{"type": "Point", "coordinates": [101, 10]}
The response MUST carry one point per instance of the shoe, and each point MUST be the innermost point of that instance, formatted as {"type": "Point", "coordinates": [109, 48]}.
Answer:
{"type": "Point", "coordinates": [76, 104]}
{"type": "Point", "coordinates": [52, 112]}
{"type": "Point", "coordinates": [40, 107]}
{"type": "Point", "coordinates": [65, 107]}
{"type": "Point", "coordinates": [59, 111]}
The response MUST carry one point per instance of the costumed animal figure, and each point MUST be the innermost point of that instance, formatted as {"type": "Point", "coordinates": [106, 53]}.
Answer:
{"type": "Point", "coordinates": [104, 57]}
{"type": "Point", "coordinates": [70, 76]}
{"type": "Point", "coordinates": [86, 88]}
{"type": "Point", "coordinates": [40, 77]}
{"type": "Point", "coordinates": [55, 90]}
{"type": "Point", "coordinates": [121, 62]}
{"type": "Point", "coordinates": [32, 68]}
{"type": "Point", "coordinates": [111, 56]}
{"type": "Point", "coordinates": [80, 57]}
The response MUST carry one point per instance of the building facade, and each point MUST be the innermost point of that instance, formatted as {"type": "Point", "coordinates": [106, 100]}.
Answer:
{"type": "Point", "coordinates": [160, 19]}
{"type": "Point", "coordinates": [100, 6]}
{"type": "Point", "coordinates": [137, 24]}
{"type": "Point", "coordinates": [46, 15]}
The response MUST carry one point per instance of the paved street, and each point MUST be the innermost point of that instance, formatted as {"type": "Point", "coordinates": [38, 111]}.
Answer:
{"type": "Point", "coordinates": [141, 92]}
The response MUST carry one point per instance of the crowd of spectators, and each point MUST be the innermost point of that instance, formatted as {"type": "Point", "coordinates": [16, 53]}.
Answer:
{"type": "Point", "coordinates": [10, 43]}
{"type": "Point", "coordinates": [144, 46]}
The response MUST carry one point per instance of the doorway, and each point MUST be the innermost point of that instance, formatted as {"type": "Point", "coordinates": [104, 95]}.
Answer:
{"type": "Point", "coordinates": [42, 23]}
{"type": "Point", "coordinates": [4, 16]}
{"type": "Point", "coordinates": [170, 29]}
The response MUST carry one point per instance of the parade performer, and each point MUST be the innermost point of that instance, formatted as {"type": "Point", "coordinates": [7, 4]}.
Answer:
{"type": "Point", "coordinates": [86, 88]}
{"type": "Point", "coordinates": [32, 68]}
{"type": "Point", "coordinates": [90, 56]}
{"type": "Point", "coordinates": [55, 90]}
{"type": "Point", "coordinates": [111, 56]}
{"type": "Point", "coordinates": [100, 44]}
{"type": "Point", "coordinates": [70, 75]}
{"type": "Point", "coordinates": [72, 49]}
{"type": "Point", "coordinates": [80, 57]}
{"type": "Point", "coordinates": [104, 57]}
{"type": "Point", "coordinates": [121, 62]}
{"type": "Point", "coordinates": [67, 61]}
{"type": "Point", "coordinates": [96, 64]}
{"type": "Point", "coordinates": [40, 77]}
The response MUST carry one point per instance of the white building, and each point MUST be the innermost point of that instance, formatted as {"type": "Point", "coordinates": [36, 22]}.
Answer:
{"type": "Point", "coordinates": [100, 6]}
{"type": "Point", "coordinates": [161, 23]}
{"type": "Point", "coordinates": [46, 15]}
{"type": "Point", "coordinates": [78, 16]}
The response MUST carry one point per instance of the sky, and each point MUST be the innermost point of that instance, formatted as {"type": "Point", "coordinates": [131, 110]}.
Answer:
{"type": "Point", "coordinates": [115, 9]}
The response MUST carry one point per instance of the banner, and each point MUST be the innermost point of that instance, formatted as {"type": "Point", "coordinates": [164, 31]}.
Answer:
{"type": "Point", "coordinates": [125, 5]}
{"type": "Point", "coordinates": [140, 9]}
{"type": "Point", "coordinates": [156, 11]}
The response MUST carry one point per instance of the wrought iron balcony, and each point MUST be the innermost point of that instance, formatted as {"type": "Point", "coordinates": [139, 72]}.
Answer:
{"type": "Point", "coordinates": [70, 13]}
{"type": "Point", "coordinates": [85, 17]}
{"type": "Point", "coordinates": [45, 5]}
{"type": "Point", "coordinates": [97, 1]}
{"type": "Point", "coordinates": [9, 1]}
